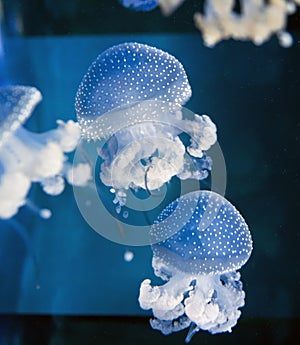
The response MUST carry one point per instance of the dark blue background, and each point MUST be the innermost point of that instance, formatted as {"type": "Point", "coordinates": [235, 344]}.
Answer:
{"type": "Point", "coordinates": [251, 93]}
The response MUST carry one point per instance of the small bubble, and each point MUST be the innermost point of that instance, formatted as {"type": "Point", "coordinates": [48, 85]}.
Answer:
{"type": "Point", "coordinates": [128, 255]}
{"type": "Point", "coordinates": [45, 213]}
{"type": "Point", "coordinates": [125, 214]}
{"type": "Point", "coordinates": [285, 39]}
{"type": "Point", "coordinates": [118, 209]}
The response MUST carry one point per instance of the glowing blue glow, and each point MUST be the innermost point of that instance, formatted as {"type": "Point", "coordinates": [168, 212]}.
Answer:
{"type": "Point", "coordinates": [140, 5]}
{"type": "Point", "coordinates": [199, 263]}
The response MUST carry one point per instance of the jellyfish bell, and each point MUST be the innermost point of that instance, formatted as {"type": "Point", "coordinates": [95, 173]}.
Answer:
{"type": "Point", "coordinates": [199, 262]}
{"type": "Point", "coordinates": [219, 239]}
{"type": "Point", "coordinates": [132, 97]}
{"type": "Point", "coordinates": [16, 106]}
{"type": "Point", "coordinates": [126, 74]}
{"type": "Point", "coordinates": [140, 5]}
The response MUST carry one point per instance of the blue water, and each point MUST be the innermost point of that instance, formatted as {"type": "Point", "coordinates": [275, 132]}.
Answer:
{"type": "Point", "coordinates": [249, 92]}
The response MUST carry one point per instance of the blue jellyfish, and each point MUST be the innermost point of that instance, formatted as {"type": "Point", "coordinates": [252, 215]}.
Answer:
{"type": "Point", "coordinates": [140, 5]}
{"type": "Point", "coordinates": [199, 264]}
{"type": "Point", "coordinates": [167, 6]}
{"type": "Point", "coordinates": [132, 97]}
{"type": "Point", "coordinates": [27, 157]}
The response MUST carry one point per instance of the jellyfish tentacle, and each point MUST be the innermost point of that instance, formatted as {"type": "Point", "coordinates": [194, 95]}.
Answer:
{"type": "Point", "coordinates": [146, 180]}
{"type": "Point", "coordinates": [44, 213]}
{"type": "Point", "coordinates": [192, 331]}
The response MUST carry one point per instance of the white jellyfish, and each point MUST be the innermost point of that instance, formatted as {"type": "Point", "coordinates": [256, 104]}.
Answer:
{"type": "Point", "coordinates": [169, 6]}
{"type": "Point", "coordinates": [209, 241]}
{"type": "Point", "coordinates": [132, 97]}
{"type": "Point", "coordinates": [27, 157]}
{"type": "Point", "coordinates": [257, 21]}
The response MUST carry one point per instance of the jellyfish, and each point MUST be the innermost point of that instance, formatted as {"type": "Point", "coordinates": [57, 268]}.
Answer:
{"type": "Point", "coordinates": [132, 98]}
{"type": "Point", "coordinates": [27, 157]}
{"type": "Point", "coordinates": [257, 21]}
{"type": "Point", "coordinates": [167, 6]}
{"type": "Point", "coordinates": [209, 241]}
{"type": "Point", "coordinates": [140, 5]}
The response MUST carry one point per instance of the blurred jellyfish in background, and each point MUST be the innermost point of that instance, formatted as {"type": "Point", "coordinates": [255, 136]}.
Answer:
{"type": "Point", "coordinates": [199, 264]}
{"type": "Point", "coordinates": [140, 5]}
{"type": "Point", "coordinates": [167, 6]}
{"type": "Point", "coordinates": [257, 21]}
{"type": "Point", "coordinates": [132, 97]}
{"type": "Point", "coordinates": [27, 157]}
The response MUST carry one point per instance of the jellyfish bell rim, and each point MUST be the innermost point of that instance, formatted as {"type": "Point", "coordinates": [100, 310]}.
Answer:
{"type": "Point", "coordinates": [188, 268]}
{"type": "Point", "coordinates": [203, 266]}
{"type": "Point", "coordinates": [12, 121]}
{"type": "Point", "coordinates": [131, 114]}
